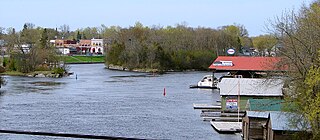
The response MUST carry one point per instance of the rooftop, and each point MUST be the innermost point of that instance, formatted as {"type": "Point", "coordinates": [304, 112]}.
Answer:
{"type": "Point", "coordinates": [250, 87]}
{"type": "Point", "coordinates": [264, 104]}
{"type": "Point", "coordinates": [285, 121]}
{"type": "Point", "coordinates": [245, 63]}
{"type": "Point", "coordinates": [257, 114]}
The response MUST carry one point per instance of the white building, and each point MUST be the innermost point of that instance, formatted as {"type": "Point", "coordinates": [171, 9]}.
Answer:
{"type": "Point", "coordinates": [97, 46]}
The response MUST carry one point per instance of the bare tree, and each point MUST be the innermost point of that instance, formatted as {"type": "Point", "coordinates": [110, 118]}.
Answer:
{"type": "Point", "coordinates": [65, 30]}
{"type": "Point", "coordinates": [299, 33]}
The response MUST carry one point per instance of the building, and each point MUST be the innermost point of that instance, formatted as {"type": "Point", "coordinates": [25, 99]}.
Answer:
{"type": "Point", "coordinates": [264, 105]}
{"type": "Point", "coordinates": [59, 44]}
{"type": "Point", "coordinates": [85, 46]}
{"type": "Point", "coordinates": [272, 125]}
{"type": "Point", "coordinates": [97, 46]}
{"type": "Point", "coordinates": [253, 124]}
{"type": "Point", "coordinates": [248, 67]}
{"type": "Point", "coordinates": [282, 125]}
{"type": "Point", "coordinates": [243, 89]}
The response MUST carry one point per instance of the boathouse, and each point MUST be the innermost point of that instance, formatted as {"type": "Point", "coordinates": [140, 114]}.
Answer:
{"type": "Point", "coordinates": [256, 116]}
{"type": "Point", "coordinates": [243, 89]}
{"type": "Point", "coordinates": [283, 125]}
{"type": "Point", "coordinates": [253, 124]}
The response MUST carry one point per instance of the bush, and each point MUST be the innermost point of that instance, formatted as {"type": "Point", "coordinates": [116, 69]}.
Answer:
{"type": "Point", "coordinates": [59, 71]}
{"type": "Point", "coordinates": [2, 69]}
{"type": "Point", "coordinates": [42, 68]}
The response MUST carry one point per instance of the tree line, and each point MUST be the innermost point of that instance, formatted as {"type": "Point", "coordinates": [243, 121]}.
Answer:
{"type": "Point", "coordinates": [171, 48]}
{"type": "Point", "coordinates": [163, 48]}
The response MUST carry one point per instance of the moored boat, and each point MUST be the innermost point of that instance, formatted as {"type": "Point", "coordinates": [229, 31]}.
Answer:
{"type": "Point", "coordinates": [208, 81]}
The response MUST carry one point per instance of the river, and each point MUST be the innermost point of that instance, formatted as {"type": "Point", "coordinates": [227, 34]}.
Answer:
{"type": "Point", "coordinates": [98, 101]}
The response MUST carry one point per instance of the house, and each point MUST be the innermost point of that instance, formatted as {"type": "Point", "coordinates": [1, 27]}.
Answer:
{"type": "Point", "coordinates": [282, 125]}
{"type": "Point", "coordinates": [85, 46]}
{"type": "Point", "coordinates": [59, 44]}
{"type": "Point", "coordinates": [248, 51]}
{"type": "Point", "coordinates": [253, 124]}
{"type": "Point", "coordinates": [97, 46]}
{"type": "Point", "coordinates": [243, 89]}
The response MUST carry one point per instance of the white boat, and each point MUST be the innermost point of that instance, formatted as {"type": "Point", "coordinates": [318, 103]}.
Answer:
{"type": "Point", "coordinates": [208, 81]}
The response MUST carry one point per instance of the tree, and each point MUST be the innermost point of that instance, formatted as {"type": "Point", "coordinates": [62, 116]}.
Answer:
{"type": "Point", "coordinates": [65, 30]}
{"type": "Point", "coordinates": [1, 32]}
{"type": "Point", "coordinates": [239, 36]}
{"type": "Point", "coordinates": [78, 36]}
{"type": "Point", "coordinates": [299, 33]}
{"type": "Point", "coordinates": [44, 39]}
{"type": "Point", "coordinates": [264, 42]}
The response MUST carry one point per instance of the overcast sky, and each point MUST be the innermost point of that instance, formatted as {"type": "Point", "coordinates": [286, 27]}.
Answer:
{"type": "Point", "coordinates": [253, 14]}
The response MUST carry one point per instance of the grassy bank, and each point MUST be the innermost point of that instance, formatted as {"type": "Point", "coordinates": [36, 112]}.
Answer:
{"type": "Point", "coordinates": [84, 59]}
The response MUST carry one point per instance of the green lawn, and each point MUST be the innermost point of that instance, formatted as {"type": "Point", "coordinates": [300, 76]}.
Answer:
{"type": "Point", "coordinates": [84, 59]}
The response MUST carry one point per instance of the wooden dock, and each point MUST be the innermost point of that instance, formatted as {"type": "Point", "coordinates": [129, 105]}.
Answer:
{"type": "Point", "coordinates": [227, 127]}
{"type": "Point", "coordinates": [219, 118]}
{"type": "Point", "coordinates": [210, 114]}
{"type": "Point", "coordinates": [206, 106]}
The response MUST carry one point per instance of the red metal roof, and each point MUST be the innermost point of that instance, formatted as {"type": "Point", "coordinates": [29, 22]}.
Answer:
{"type": "Point", "coordinates": [247, 63]}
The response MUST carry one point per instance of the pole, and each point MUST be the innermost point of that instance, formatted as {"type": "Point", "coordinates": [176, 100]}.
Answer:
{"type": "Point", "coordinates": [239, 100]}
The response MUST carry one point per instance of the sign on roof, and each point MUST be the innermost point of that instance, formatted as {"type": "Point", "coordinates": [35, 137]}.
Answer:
{"type": "Point", "coordinates": [231, 51]}
{"type": "Point", "coordinates": [222, 63]}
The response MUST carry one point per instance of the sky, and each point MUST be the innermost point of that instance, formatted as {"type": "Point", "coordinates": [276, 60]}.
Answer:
{"type": "Point", "coordinates": [255, 15]}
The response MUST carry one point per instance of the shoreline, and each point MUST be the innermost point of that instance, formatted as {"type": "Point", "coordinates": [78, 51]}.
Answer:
{"type": "Point", "coordinates": [36, 74]}
{"type": "Point", "coordinates": [120, 68]}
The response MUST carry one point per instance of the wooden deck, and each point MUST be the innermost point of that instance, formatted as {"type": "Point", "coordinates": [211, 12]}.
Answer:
{"type": "Point", "coordinates": [227, 127]}
{"type": "Point", "coordinates": [210, 114]}
{"type": "Point", "coordinates": [229, 119]}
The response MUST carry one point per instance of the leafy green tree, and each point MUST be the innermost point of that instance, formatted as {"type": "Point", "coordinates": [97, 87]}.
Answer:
{"type": "Point", "coordinates": [78, 36]}
{"type": "Point", "coordinates": [300, 34]}
{"type": "Point", "coordinates": [44, 39]}
{"type": "Point", "coordinates": [264, 42]}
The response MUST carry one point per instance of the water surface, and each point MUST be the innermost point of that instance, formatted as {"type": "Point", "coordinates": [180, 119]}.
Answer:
{"type": "Point", "coordinates": [106, 102]}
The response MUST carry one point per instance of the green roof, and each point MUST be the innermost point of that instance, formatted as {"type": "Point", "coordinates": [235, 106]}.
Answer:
{"type": "Point", "coordinates": [264, 104]}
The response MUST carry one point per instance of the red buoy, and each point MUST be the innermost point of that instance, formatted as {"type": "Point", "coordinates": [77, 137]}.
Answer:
{"type": "Point", "coordinates": [164, 91]}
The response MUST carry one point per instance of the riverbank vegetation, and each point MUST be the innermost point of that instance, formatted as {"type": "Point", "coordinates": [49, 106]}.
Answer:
{"type": "Point", "coordinates": [171, 48]}
{"type": "Point", "coordinates": [40, 55]}
{"type": "Point", "coordinates": [299, 33]}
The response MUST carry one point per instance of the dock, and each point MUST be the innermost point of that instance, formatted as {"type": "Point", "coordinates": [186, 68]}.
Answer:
{"type": "Point", "coordinates": [219, 118]}
{"type": "Point", "coordinates": [204, 87]}
{"type": "Point", "coordinates": [206, 106]}
{"type": "Point", "coordinates": [223, 121]}
{"type": "Point", "coordinates": [227, 127]}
